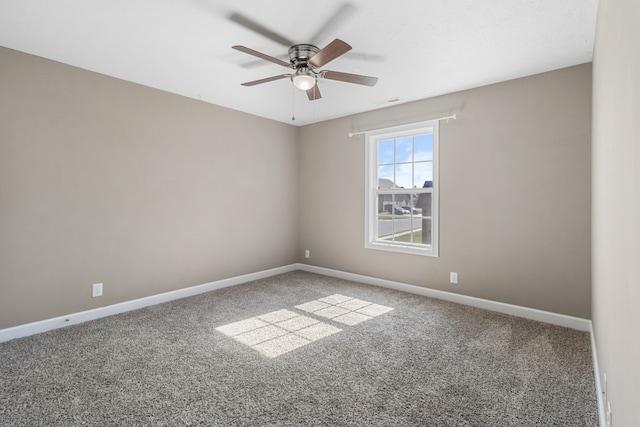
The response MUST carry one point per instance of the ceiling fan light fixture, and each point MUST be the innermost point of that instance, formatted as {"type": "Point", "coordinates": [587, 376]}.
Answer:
{"type": "Point", "coordinates": [303, 80]}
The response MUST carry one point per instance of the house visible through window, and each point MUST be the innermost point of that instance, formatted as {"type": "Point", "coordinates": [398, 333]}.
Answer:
{"type": "Point", "coordinates": [402, 189]}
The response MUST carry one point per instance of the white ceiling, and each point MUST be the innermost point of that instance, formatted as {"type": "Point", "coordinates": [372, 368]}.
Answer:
{"type": "Point", "coordinates": [417, 48]}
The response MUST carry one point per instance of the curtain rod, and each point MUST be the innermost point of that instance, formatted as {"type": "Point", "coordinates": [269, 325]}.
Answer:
{"type": "Point", "coordinates": [447, 118]}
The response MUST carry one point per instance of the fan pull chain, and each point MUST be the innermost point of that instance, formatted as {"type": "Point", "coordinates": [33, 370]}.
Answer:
{"type": "Point", "coordinates": [293, 103]}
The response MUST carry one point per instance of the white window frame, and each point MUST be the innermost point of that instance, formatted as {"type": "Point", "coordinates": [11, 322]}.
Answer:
{"type": "Point", "coordinates": [371, 189]}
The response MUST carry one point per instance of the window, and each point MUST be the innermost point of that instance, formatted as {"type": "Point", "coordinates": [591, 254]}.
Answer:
{"type": "Point", "coordinates": [402, 189]}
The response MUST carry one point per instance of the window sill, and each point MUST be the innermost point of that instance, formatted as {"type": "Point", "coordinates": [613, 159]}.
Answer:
{"type": "Point", "coordinates": [406, 249]}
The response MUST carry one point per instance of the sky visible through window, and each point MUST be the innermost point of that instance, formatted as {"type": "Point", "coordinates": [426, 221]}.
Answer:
{"type": "Point", "coordinates": [407, 161]}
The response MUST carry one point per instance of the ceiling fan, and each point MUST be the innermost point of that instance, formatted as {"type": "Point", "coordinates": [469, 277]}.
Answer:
{"type": "Point", "coordinates": [304, 59]}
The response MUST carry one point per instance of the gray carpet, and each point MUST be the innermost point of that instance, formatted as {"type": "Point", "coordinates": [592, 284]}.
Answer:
{"type": "Point", "coordinates": [278, 352]}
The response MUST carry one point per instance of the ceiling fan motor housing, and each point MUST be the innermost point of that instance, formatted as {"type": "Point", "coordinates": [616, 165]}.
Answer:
{"type": "Point", "coordinates": [300, 54]}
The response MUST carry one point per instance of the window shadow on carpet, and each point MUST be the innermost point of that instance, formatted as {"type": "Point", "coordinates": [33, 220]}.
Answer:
{"type": "Point", "coordinates": [279, 332]}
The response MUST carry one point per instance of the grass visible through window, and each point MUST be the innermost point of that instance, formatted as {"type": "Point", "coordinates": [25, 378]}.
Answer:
{"type": "Point", "coordinates": [406, 236]}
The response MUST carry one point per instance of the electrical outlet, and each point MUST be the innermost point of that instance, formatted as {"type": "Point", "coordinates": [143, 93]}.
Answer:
{"type": "Point", "coordinates": [453, 277]}
{"type": "Point", "coordinates": [96, 290]}
{"type": "Point", "coordinates": [307, 253]}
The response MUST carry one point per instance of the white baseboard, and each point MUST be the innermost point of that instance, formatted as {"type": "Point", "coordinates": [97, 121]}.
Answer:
{"type": "Point", "coordinates": [97, 313]}
{"type": "Point", "coordinates": [578, 323]}
{"type": "Point", "coordinates": [83, 316]}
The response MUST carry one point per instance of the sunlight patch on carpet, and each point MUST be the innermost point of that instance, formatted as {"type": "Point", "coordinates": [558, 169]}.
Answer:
{"type": "Point", "coordinates": [282, 331]}
{"type": "Point", "coordinates": [278, 332]}
{"type": "Point", "coordinates": [344, 309]}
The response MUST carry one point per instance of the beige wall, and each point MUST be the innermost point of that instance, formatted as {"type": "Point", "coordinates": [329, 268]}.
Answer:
{"type": "Point", "coordinates": [106, 181]}
{"type": "Point", "coordinates": [515, 193]}
{"type": "Point", "coordinates": [616, 205]}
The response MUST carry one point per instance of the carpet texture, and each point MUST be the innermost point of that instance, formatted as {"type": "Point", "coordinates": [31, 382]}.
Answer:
{"type": "Point", "coordinates": [301, 349]}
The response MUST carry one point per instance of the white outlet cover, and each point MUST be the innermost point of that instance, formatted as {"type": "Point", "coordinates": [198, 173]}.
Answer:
{"type": "Point", "coordinates": [96, 290]}
{"type": "Point", "coordinates": [453, 277]}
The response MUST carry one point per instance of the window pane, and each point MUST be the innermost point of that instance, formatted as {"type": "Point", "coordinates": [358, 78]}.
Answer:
{"type": "Point", "coordinates": [404, 149]}
{"type": "Point", "coordinates": [385, 205]}
{"type": "Point", "coordinates": [388, 211]}
{"type": "Point", "coordinates": [404, 178]}
{"type": "Point", "coordinates": [385, 177]}
{"type": "Point", "coordinates": [402, 201]}
{"type": "Point", "coordinates": [422, 172]}
{"type": "Point", "coordinates": [399, 204]}
{"type": "Point", "coordinates": [423, 204]}
{"type": "Point", "coordinates": [416, 234]}
{"type": "Point", "coordinates": [403, 227]}
{"type": "Point", "coordinates": [410, 232]}
{"type": "Point", "coordinates": [396, 227]}
{"type": "Point", "coordinates": [385, 152]}
{"type": "Point", "coordinates": [396, 204]}
{"type": "Point", "coordinates": [385, 227]}
{"type": "Point", "coordinates": [424, 234]}
{"type": "Point", "coordinates": [423, 147]}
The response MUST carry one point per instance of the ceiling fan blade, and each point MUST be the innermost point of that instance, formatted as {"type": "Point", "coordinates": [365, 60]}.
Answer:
{"type": "Point", "coordinates": [344, 11]}
{"type": "Point", "coordinates": [261, 55]}
{"type": "Point", "coordinates": [349, 78]}
{"type": "Point", "coordinates": [268, 79]}
{"type": "Point", "coordinates": [329, 53]}
{"type": "Point", "coordinates": [260, 29]}
{"type": "Point", "coordinates": [314, 93]}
